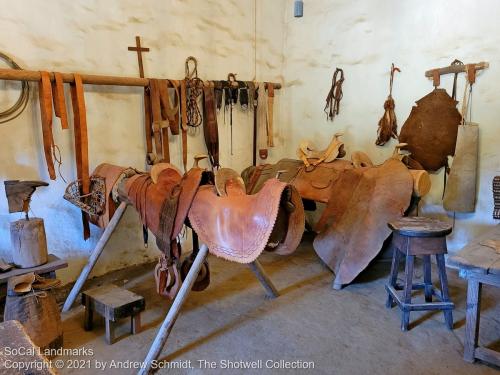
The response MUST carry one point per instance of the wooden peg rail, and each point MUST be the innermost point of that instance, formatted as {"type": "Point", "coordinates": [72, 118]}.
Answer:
{"type": "Point", "coordinates": [456, 69]}
{"type": "Point", "coordinates": [91, 79]}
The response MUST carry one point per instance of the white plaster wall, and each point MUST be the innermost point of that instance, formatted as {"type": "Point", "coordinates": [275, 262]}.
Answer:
{"type": "Point", "coordinates": [92, 37]}
{"type": "Point", "coordinates": [364, 37]}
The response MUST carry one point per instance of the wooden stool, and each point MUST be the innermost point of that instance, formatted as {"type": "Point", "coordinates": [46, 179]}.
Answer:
{"type": "Point", "coordinates": [419, 236]}
{"type": "Point", "coordinates": [112, 303]}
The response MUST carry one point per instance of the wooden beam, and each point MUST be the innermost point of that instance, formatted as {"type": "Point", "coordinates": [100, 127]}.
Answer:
{"type": "Point", "coordinates": [90, 79]}
{"type": "Point", "coordinates": [456, 69]}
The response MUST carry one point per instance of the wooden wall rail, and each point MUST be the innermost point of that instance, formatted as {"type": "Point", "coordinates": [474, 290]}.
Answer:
{"type": "Point", "coordinates": [91, 79]}
{"type": "Point", "coordinates": [456, 69]}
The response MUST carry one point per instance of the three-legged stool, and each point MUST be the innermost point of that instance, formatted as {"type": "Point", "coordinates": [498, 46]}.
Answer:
{"type": "Point", "coordinates": [423, 237]}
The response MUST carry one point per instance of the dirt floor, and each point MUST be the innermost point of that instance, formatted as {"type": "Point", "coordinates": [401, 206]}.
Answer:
{"type": "Point", "coordinates": [231, 324]}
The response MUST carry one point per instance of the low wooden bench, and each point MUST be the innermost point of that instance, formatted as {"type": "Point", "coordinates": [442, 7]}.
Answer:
{"type": "Point", "coordinates": [112, 303]}
{"type": "Point", "coordinates": [479, 265]}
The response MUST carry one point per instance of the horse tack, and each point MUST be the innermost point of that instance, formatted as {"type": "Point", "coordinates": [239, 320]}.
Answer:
{"type": "Point", "coordinates": [387, 125]}
{"type": "Point", "coordinates": [431, 129]}
{"type": "Point", "coordinates": [163, 206]}
{"type": "Point", "coordinates": [364, 198]}
{"type": "Point", "coordinates": [332, 107]}
{"type": "Point", "coordinates": [237, 226]}
{"type": "Point", "coordinates": [210, 128]}
{"type": "Point", "coordinates": [45, 94]}
{"type": "Point", "coordinates": [81, 143]}
{"type": "Point", "coordinates": [312, 157]}
{"type": "Point", "coordinates": [313, 184]}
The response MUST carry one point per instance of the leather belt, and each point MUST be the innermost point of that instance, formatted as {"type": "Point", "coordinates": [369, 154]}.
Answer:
{"type": "Point", "coordinates": [45, 94]}
{"type": "Point", "coordinates": [184, 122]}
{"type": "Point", "coordinates": [210, 129]}
{"type": "Point", "coordinates": [270, 114]}
{"type": "Point", "coordinates": [262, 121]}
{"type": "Point", "coordinates": [59, 102]}
{"type": "Point", "coordinates": [81, 143]}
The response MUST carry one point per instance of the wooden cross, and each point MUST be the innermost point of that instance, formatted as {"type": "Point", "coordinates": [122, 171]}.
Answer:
{"type": "Point", "coordinates": [139, 51]}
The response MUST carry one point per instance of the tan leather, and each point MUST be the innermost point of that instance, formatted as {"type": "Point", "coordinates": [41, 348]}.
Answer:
{"type": "Point", "coordinates": [431, 129]}
{"type": "Point", "coordinates": [353, 226]}
{"type": "Point", "coordinates": [45, 94]}
{"type": "Point", "coordinates": [237, 227]}
{"type": "Point", "coordinates": [59, 101]}
{"type": "Point", "coordinates": [163, 199]}
{"type": "Point", "coordinates": [307, 151]}
{"type": "Point", "coordinates": [184, 125]}
{"type": "Point", "coordinates": [111, 174]}
{"type": "Point", "coordinates": [148, 125]}
{"type": "Point", "coordinates": [360, 159]}
{"type": "Point", "coordinates": [314, 184]}
{"type": "Point", "coordinates": [81, 142]}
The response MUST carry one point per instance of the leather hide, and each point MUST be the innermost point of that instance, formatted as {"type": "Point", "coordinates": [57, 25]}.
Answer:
{"type": "Point", "coordinates": [431, 129]}
{"type": "Point", "coordinates": [362, 201]}
{"type": "Point", "coordinates": [460, 193]}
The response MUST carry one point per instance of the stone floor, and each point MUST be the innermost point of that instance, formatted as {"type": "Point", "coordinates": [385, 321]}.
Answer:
{"type": "Point", "coordinates": [340, 332]}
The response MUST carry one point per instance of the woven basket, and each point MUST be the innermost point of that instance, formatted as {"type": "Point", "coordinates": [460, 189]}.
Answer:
{"type": "Point", "coordinates": [92, 203]}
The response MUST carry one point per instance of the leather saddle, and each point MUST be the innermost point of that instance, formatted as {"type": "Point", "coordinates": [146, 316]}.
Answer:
{"type": "Point", "coordinates": [163, 199]}
{"type": "Point", "coordinates": [308, 153]}
{"type": "Point", "coordinates": [237, 226]}
{"type": "Point", "coordinates": [311, 183]}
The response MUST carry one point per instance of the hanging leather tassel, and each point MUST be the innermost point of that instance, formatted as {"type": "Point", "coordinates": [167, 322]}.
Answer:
{"type": "Point", "coordinates": [387, 125]}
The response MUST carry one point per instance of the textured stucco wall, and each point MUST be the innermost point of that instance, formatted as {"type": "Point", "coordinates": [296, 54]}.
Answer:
{"type": "Point", "coordinates": [364, 37]}
{"type": "Point", "coordinates": [92, 37]}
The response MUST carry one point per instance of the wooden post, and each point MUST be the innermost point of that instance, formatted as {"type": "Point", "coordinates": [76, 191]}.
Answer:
{"type": "Point", "coordinates": [29, 244]}
{"type": "Point", "coordinates": [173, 313]}
{"type": "Point", "coordinates": [94, 256]}
{"type": "Point", "coordinates": [258, 270]}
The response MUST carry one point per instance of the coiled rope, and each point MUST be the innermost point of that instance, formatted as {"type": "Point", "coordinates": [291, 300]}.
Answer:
{"type": "Point", "coordinates": [21, 103]}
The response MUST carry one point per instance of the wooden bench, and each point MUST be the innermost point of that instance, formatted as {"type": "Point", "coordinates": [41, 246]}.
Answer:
{"type": "Point", "coordinates": [479, 265]}
{"type": "Point", "coordinates": [112, 303]}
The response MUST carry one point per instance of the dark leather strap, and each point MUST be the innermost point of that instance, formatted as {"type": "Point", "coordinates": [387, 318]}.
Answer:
{"type": "Point", "coordinates": [184, 125]}
{"type": "Point", "coordinates": [270, 114]}
{"type": "Point", "coordinates": [81, 143]}
{"type": "Point", "coordinates": [147, 125]}
{"type": "Point", "coordinates": [59, 102]}
{"type": "Point", "coordinates": [455, 76]}
{"type": "Point", "coordinates": [210, 129]}
{"type": "Point", "coordinates": [45, 94]}
{"type": "Point", "coordinates": [335, 95]}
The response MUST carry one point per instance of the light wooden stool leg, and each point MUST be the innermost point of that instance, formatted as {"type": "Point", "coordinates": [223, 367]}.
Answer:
{"type": "Point", "coordinates": [110, 331]}
{"type": "Point", "coordinates": [427, 278]}
{"type": "Point", "coordinates": [405, 321]}
{"type": "Point", "coordinates": [448, 314]}
{"type": "Point", "coordinates": [473, 314]}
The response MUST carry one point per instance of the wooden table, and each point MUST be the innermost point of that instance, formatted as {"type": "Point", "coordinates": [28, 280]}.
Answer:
{"type": "Point", "coordinates": [478, 265]}
{"type": "Point", "coordinates": [51, 266]}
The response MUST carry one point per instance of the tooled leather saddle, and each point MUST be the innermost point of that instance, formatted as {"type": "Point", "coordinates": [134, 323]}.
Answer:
{"type": "Point", "coordinates": [237, 226]}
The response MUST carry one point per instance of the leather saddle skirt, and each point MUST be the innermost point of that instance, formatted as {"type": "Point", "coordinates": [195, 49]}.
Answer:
{"type": "Point", "coordinates": [238, 227]}
{"type": "Point", "coordinates": [311, 183]}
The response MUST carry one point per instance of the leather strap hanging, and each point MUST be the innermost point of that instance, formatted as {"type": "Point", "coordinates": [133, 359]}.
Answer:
{"type": "Point", "coordinates": [455, 76]}
{"type": "Point", "coordinates": [45, 94]}
{"type": "Point", "coordinates": [270, 114]}
{"type": "Point", "coordinates": [334, 96]}
{"type": "Point", "coordinates": [262, 121]}
{"type": "Point", "coordinates": [195, 90]}
{"type": "Point", "coordinates": [156, 117]}
{"type": "Point", "coordinates": [59, 102]}
{"type": "Point", "coordinates": [210, 129]}
{"type": "Point", "coordinates": [81, 143]}
{"type": "Point", "coordinates": [169, 111]}
{"type": "Point", "coordinates": [184, 125]}
{"type": "Point", "coordinates": [147, 126]}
